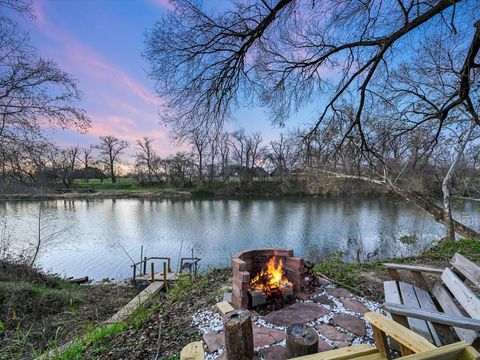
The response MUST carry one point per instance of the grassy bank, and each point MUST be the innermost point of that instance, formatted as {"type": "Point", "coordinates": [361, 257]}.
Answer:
{"type": "Point", "coordinates": [367, 278]}
{"type": "Point", "coordinates": [38, 311]}
{"type": "Point", "coordinates": [159, 330]}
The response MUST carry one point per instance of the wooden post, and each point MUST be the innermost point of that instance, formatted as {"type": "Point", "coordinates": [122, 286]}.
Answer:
{"type": "Point", "coordinates": [144, 265]}
{"type": "Point", "coordinates": [237, 326]}
{"type": "Point", "coordinates": [134, 274]}
{"type": "Point", "coordinates": [301, 340]}
{"type": "Point", "coordinates": [152, 265]}
{"type": "Point", "coordinates": [165, 275]}
{"type": "Point", "coordinates": [169, 268]}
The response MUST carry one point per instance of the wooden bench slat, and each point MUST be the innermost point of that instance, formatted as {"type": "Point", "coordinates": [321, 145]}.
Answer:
{"type": "Point", "coordinates": [426, 303]}
{"type": "Point", "coordinates": [467, 268]}
{"type": "Point", "coordinates": [420, 268]}
{"type": "Point", "coordinates": [449, 307]}
{"type": "Point", "coordinates": [392, 294]}
{"type": "Point", "coordinates": [447, 352]}
{"type": "Point", "coordinates": [464, 295]}
{"type": "Point", "coordinates": [437, 317]}
{"type": "Point", "coordinates": [410, 299]}
{"type": "Point", "coordinates": [351, 352]}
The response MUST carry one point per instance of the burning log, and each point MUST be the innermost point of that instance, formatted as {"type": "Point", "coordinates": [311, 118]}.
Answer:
{"type": "Point", "coordinates": [301, 340]}
{"type": "Point", "coordinates": [237, 326]}
{"type": "Point", "coordinates": [272, 281]}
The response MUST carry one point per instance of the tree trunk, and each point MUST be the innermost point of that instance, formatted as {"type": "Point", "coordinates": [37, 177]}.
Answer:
{"type": "Point", "coordinates": [238, 330]}
{"type": "Point", "coordinates": [447, 184]}
{"type": "Point", "coordinates": [301, 340]}
{"type": "Point", "coordinates": [112, 173]}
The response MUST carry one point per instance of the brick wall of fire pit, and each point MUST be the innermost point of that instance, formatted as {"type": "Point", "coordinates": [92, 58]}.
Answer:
{"type": "Point", "coordinates": [246, 264]}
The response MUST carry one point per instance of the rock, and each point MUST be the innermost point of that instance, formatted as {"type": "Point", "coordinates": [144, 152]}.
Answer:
{"type": "Point", "coordinates": [296, 313]}
{"type": "Point", "coordinates": [322, 299]}
{"type": "Point", "coordinates": [339, 338]}
{"type": "Point", "coordinates": [213, 341]}
{"type": "Point", "coordinates": [339, 292]}
{"type": "Point", "coordinates": [350, 323]}
{"type": "Point", "coordinates": [276, 352]}
{"type": "Point", "coordinates": [263, 336]}
{"type": "Point", "coordinates": [323, 345]}
{"type": "Point", "coordinates": [322, 281]}
{"type": "Point", "coordinates": [354, 305]}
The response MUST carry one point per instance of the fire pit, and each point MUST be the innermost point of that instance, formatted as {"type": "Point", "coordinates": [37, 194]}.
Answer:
{"type": "Point", "coordinates": [265, 273]}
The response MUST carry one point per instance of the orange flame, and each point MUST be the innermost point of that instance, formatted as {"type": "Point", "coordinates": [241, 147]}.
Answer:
{"type": "Point", "coordinates": [272, 280]}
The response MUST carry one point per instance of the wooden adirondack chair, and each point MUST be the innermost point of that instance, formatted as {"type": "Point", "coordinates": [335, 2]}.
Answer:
{"type": "Point", "coordinates": [451, 302]}
{"type": "Point", "coordinates": [412, 346]}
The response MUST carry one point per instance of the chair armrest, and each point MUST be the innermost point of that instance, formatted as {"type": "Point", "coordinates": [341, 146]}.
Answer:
{"type": "Point", "coordinates": [419, 268]}
{"type": "Point", "coordinates": [400, 333]}
{"type": "Point", "coordinates": [436, 317]}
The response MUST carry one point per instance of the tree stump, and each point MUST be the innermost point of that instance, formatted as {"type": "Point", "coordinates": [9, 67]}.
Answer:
{"type": "Point", "coordinates": [238, 330]}
{"type": "Point", "coordinates": [301, 340]}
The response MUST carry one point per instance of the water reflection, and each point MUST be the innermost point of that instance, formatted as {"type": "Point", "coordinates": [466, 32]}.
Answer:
{"type": "Point", "coordinates": [100, 231]}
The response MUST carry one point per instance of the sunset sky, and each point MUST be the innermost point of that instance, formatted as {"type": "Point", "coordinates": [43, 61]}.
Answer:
{"type": "Point", "coordinates": [100, 42]}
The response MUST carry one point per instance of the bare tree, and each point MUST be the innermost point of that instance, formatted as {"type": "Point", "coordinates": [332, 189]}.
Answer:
{"type": "Point", "coordinates": [34, 92]}
{"type": "Point", "coordinates": [47, 232]}
{"type": "Point", "coordinates": [111, 148]}
{"type": "Point", "coordinates": [224, 155]}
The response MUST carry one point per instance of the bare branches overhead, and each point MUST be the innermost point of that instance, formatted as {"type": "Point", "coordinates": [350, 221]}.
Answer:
{"type": "Point", "coordinates": [286, 55]}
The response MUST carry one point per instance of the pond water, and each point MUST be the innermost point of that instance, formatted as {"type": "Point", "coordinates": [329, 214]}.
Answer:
{"type": "Point", "coordinates": [92, 237]}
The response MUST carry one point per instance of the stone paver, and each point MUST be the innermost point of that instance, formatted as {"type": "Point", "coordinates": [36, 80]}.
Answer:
{"type": "Point", "coordinates": [339, 292]}
{"type": "Point", "coordinates": [323, 345]}
{"type": "Point", "coordinates": [354, 305]}
{"type": "Point", "coordinates": [350, 323]}
{"type": "Point", "coordinates": [323, 299]}
{"type": "Point", "coordinates": [339, 338]}
{"type": "Point", "coordinates": [214, 341]}
{"type": "Point", "coordinates": [263, 336]}
{"type": "Point", "coordinates": [297, 313]}
{"type": "Point", "coordinates": [276, 352]}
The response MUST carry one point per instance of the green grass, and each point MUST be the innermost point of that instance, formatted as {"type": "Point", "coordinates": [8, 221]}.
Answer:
{"type": "Point", "coordinates": [97, 340]}
{"type": "Point", "coordinates": [445, 249]}
{"type": "Point", "coordinates": [26, 297]}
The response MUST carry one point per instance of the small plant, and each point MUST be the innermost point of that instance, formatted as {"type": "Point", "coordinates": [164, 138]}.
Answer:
{"type": "Point", "coordinates": [408, 239]}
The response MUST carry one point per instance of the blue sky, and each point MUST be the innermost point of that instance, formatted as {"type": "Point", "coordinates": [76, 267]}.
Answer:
{"type": "Point", "coordinates": [100, 42]}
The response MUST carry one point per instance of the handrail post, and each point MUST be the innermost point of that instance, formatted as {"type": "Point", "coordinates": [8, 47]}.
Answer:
{"type": "Point", "coordinates": [144, 265]}
{"type": "Point", "coordinates": [152, 264]}
{"type": "Point", "coordinates": [134, 274]}
{"type": "Point", "coordinates": [169, 268]}
{"type": "Point", "coordinates": [165, 275]}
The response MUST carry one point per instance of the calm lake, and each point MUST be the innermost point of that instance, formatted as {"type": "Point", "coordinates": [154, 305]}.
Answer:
{"type": "Point", "coordinates": [89, 234]}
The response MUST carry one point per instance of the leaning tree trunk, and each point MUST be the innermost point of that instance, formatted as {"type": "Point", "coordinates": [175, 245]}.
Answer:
{"type": "Point", "coordinates": [436, 211]}
{"type": "Point", "coordinates": [447, 184]}
{"type": "Point", "coordinates": [416, 199]}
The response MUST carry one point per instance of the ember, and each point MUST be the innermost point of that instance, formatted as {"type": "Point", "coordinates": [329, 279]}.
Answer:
{"type": "Point", "coordinates": [271, 281]}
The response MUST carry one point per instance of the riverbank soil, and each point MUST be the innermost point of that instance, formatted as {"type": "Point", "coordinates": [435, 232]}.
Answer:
{"type": "Point", "coordinates": [39, 311]}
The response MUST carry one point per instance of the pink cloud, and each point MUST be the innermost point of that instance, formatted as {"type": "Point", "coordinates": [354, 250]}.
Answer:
{"type": "Point", "coordinates": [165, 4]}
{"type": "Point", "coordinates": [121, 105]}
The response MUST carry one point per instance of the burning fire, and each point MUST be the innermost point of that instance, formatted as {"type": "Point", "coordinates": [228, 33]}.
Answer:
{"type": "Point", "coordinates": [271, 281]}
